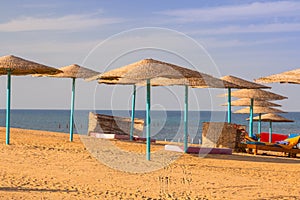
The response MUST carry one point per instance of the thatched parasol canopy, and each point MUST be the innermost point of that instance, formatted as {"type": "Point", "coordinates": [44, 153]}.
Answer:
{"type": "Point", "coordinates": [244, 84]}
{"type": "Point", "coordinates": [12, 65]}
{"type": "Point", "coordinates": [74, 71]}
{"type": "Point", "coordinates": [272, 117]}
{"type": "Point", "coordinates": [246, 102]}
{"type": "Point", "coordinates": [149, 72]}
{"type": "Point", "coordinates": [206, 81]}
{"type": "Point", "coordinates": [292, 76]}
{"type": "Point", "coordinates": [148, 69]}
{"type": "Point", "coordinates": [19, 66]}
{"type": "Point", "coordinates": [259, 110]}
{"type": "Point", "coordinates": [256, 94]}
{"type": "Point", "coordinates": [161, 74]}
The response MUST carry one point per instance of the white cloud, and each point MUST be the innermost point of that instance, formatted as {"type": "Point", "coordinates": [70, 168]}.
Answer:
{"type": "Point", "coordinates": [251, 11]}
{"type": "Point", "coordinates": [68, 22]}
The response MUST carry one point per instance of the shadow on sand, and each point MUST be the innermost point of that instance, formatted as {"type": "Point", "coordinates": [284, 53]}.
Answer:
{"type": "Point", "coordinates": [252, 158]}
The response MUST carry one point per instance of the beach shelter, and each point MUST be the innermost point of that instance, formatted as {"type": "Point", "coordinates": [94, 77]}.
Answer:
{"type": "Point", "coordinates": [271, 117]}
{"type": "Point", "coordinates": [246, 102]}
{"type": "Point", "coordinates": [255, 94]}
{"type": "Point", "coordinates": [292, 77]}
{"type": "Point", "coordinates": [259, 110]}
{"type": "Point", "coordinates": [73, 72]}
{"type": "Point", "coordinates": [202, 81]}
{"type": "Point", "coordinates": [16, 66]}
{"type": "Point", "coordinates": [243, 84]}
{"type": "Point", "coordinates": [150, 72]}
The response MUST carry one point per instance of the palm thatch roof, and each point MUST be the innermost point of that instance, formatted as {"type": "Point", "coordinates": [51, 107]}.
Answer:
{"type": "Point", "coordinates": [161, 74]}
{"type": "Point", "coordinates": [205, 82]}
{"type": "Point", "coordinates": [244, 84]}
{"type": "Point", "coordinates": [74, 71]}
{"type": "Point", "coordinates": [272, 117]}
{"type": "Point", "coordinates": [259, 110]}
{"type": "Point", "coordinates": [149, 69]}
{"type": "Point", "coordinates": [20, 66]}
{"type": "Point", "coordinates": [256, 94]}
{"type": "Point", "coordinates": [246, 102]}
{"type": "Point", "coordinates": [292, 76]}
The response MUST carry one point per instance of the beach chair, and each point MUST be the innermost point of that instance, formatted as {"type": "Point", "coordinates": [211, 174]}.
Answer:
{"type": "Point", "coordinates": [287, 147]}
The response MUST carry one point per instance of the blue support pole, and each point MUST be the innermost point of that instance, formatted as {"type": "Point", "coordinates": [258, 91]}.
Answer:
{"type": "Point", "coordinates": [8, 94]}
{"type": "Point", "coordinates": [72, 110]}
{"type": "Point", "coordinates": [132, 112]}
{"type": "Point", "coordinates": [251, 119]}
{"type": "Point", "coordinates": [270, 132]}
{"type": "Point", "coordinates": [186, 107]}
{"type": "Point", "coordinates": [229, 106]}
{"type": "Point", "coordinates": [148, 126]}
{"type": "Point", "coordinates": [259, 123]}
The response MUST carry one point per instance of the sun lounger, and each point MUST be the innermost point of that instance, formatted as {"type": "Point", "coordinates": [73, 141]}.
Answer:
{"type": "Point", "coordinates": [254, 146]}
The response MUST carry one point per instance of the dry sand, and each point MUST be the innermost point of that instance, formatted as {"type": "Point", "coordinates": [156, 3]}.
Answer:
{"type": "Point", "coordinates": [44, 165]}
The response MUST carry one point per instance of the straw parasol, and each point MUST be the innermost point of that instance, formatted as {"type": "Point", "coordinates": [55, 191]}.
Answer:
{"type": "Point", "coordinates": [255, 94]}
{"type": "Point", "coordinates": [243, 84]}
{"type": "Point", "coordinates": [271, 117]}
{"type": "Point", "coordinates": [203, 81]}
{"type": "Point", "coordinates": [150, 72]}
{"type": "Point", "coordinates": [18, 66]}
{"type": "Point", "coordinates": [292, 76]}
{"type": "Point", "coordinates": [161, 74]}
{"type": "Point", "coordinates": [246, 102]}
{"type": "Point", "coordinates": [259, 110]}
{"type": "Point", "coordinates": [148, 69]}
{"type": "Point", "coordinates": [73, 71]}
{"type": "Point", "coordinates": [13, 65]}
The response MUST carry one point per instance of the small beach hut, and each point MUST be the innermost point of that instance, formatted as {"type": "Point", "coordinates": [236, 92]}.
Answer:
{"type": "Point", "coordinates": [255, 94]}
{"type": "Point", "coordinates": [243, 84]}
{"type": "Point", "coordinates": [150, 72]}
{"type": "Point", "coordinates": [271, 117]}
{"type": "Point", "coordinates": [16, 66]}
{"type": "Point", "coordinates": [73, 72]}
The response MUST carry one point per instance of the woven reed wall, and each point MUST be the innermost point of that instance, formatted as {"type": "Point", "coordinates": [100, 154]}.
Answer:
{"type": "Point", "coordinates": [221, 134]}
{"type": "Point", "coordinates": [114, 125]}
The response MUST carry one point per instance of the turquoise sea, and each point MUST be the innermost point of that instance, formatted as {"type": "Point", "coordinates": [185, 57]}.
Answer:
{"type": "Point", "coordinates": [166, 125]}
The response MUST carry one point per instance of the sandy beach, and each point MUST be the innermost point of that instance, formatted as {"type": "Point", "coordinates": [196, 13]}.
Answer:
{"type": "Point", "coordinates": [45, 165]}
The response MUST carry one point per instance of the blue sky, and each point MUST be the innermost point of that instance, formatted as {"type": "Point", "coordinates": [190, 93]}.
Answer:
{"type": "Point", "coordinates": [245, 38]}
